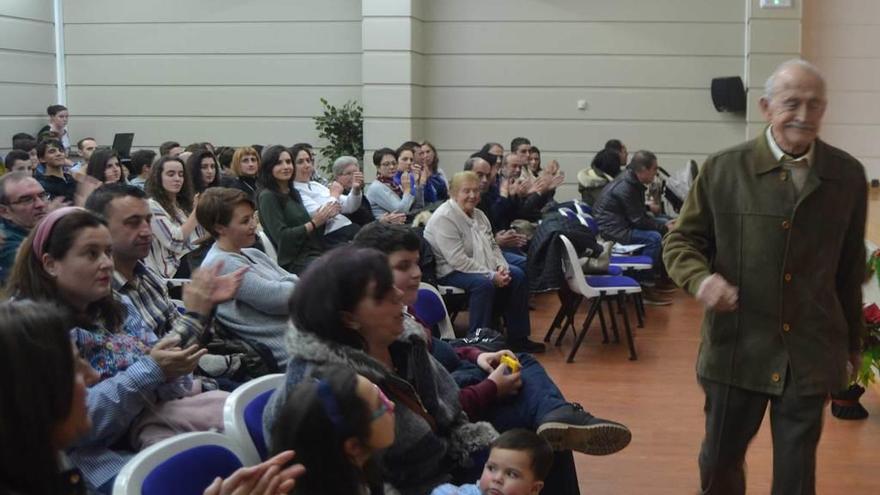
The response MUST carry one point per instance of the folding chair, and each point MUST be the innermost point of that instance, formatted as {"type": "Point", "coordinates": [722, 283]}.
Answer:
{"type": "Point", "coordinates": [243, 416]}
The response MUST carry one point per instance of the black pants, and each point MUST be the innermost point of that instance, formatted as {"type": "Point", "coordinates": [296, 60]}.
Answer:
{"type": "Point", "coordinates": [733, 417]}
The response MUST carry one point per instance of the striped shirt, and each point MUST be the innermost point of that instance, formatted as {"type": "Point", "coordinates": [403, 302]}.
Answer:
{"type": "Point", "coordinates": [149, 296]}
{"type": "Point", "coordinates": [169, 245]}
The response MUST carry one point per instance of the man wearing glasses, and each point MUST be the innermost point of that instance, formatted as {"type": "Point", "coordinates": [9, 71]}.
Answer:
{"type": "Point", "coordinates": [23, 202]}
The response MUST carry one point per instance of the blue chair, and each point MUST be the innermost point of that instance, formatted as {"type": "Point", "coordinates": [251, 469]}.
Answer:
{"type": "Point", "coordinates": [431, 309]}
{"type": "Point", "coordinates": [181, 465]}
{"type": "Point", "coordinates": [243, 416]}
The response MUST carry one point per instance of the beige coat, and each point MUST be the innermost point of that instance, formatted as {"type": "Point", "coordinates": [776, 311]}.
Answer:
{"type": "Point", "coordinates": [450, 233]}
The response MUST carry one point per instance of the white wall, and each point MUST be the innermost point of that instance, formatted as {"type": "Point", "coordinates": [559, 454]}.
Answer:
{"type": "Point", "coordinates": [234, 72]}
{"type": "Point", "coordinates": [842, 38]}
{"type": "Point", "coordinates": [27, 59]}
{"type": "Point", "coordinates": [497, 69]}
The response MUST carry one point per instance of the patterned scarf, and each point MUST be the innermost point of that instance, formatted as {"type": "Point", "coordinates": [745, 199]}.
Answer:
{"type": "Point", "coordinates": [389, 181]}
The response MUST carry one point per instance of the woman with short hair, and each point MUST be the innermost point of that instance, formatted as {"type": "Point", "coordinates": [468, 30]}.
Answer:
{"type": "Point", "coordinates": [390, 196]}
{"type": "Point", "coordinates": [259, 310]}
{"type": "Point", "coordinates": [245, 168]}
{"type": "Point", "coordinates": [468, 257]}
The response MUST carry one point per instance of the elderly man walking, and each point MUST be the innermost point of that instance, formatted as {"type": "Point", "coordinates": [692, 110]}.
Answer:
{"type": "Point", "coordinates": [771, 241]}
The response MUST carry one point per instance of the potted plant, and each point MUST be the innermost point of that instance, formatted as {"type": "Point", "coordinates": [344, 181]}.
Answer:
{"type": "Point", "coordinates": [846, 405]}
{"type": "Point", "coordinates": [343, 128]}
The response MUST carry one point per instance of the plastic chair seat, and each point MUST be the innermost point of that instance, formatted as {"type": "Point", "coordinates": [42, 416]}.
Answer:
{"type": "Point", "coordinates": [613, 282]}
{"type": "Point", "coordinates": [631, 260]}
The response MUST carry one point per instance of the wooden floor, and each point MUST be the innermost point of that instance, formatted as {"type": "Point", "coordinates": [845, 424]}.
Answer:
{"type": "Point", "coordinates": [659, 399]}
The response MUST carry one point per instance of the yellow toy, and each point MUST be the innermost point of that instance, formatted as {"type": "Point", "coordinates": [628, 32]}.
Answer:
{"type": "Point", "coordinates": [511, 363]}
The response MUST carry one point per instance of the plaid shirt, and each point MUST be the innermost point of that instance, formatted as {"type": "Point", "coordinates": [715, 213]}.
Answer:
{"type": "Point", "coordinates": [149, 295]}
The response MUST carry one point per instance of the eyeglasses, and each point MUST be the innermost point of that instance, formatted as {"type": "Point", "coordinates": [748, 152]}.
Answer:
{"type": "Point", "coordinates": [29, 200]}
{"type": "Point", "coordinates": [388, 164]}
{"type": "Point", "coordinates": [385, 405]}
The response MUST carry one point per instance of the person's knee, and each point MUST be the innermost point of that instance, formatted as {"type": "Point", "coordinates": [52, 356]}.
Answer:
{"type": "Point", "coordinates": [654, 238]}
{"type": "Point", "coordinates": [517, 275]}
{"type": "Point", "coordinates": [482, 285]}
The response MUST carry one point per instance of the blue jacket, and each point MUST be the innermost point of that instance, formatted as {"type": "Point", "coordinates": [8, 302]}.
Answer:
{"type": "Point", "coordinates": [12, 236]}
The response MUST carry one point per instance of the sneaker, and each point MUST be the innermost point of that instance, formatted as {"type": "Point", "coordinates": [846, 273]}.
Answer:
{"type": "Point", "coordinates": [653, 297]}
{"type": "Point", "coordinates": [571, 428]}
{"type": "Point", "coordinates": [526, 345]}
{"type": "Point", "coordinates": [666, 285]}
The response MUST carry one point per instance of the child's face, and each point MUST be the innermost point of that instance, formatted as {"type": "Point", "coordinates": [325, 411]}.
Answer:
{"type": "Point", "coordinates": [509, 472]}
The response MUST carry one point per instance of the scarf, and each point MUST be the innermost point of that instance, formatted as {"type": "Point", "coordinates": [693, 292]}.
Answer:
{"type": "Point", "coordinates": [389, 181]}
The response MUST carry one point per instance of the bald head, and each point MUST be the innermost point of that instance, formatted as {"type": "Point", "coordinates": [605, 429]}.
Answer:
{"type": "Point", "coordinates": [794, 104]}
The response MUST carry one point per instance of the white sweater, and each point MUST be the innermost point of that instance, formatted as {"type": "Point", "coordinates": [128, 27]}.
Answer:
{"type": "Point", "coordinates": [315, 195]}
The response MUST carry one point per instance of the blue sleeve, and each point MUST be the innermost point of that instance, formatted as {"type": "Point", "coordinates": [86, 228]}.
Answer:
{"type": "Point", "coordinates": [115, 402]}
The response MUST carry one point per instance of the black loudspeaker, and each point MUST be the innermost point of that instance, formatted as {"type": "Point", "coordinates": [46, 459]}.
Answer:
{"type": "Point", "coordinates": [729, 94]}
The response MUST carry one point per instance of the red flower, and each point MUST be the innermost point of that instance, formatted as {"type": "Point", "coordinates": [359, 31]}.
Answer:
{"type": "Point", "coordinates": [872, 314]}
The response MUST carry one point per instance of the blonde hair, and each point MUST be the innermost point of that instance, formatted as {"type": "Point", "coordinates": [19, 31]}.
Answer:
{"type": "Point", "coordinates": [460, 178]}
{"type": "Point", "coordinates": [241, 153]}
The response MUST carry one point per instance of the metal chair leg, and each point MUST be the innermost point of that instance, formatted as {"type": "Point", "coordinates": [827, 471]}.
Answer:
{"type": "Point", "coordinates": [629, 335]}
{"type": "Point", "coordinates": [569, 318]}
{"type": "Point", "coordinates": [580, 338]}
{"type": "Point", "coordinates": [635, 300]}
{"type": "Point", "coordinates": [603, 326]}
{"type": "Point", "coordinates": [563, 305]}
{"type": "Point", "coordinates": [613, 319]}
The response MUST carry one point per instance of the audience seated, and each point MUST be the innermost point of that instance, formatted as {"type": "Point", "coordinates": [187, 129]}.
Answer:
{"type": "Point", "coordinates": [297, 236]}
{"type": "Point", "coordinates": [104, 166]}
{"type": "Point", "coordinates": [67, 260]}
{"type": "Point", "coordinates": [490, 391]}
{"type": "Point", "coordinates": [23, 202]}
{"type": "Point", "coordinates": [344, 170]}
{"type": "Point", "coordinates": [202, 170]}
{"type": "Point", "coordinates": [419, 175]}
{"type": "Point", "coordinates": [494, 149]}
{"type": "Point", "coordinates": [615, 146]}
{"type": "Point", "coordinates": [533, 165]}
{"type": "Point", "coordinates": [388, 195]}
{"type": "Point", "coordinates": [50, 173]}
{"type": "Point", "coordinates": [316, 196]}
{"type": "Point", "coordinates": [175, 229]}
{"type": "Point", "coordinates": [622, 217]}
{"type": "Point", "coordinates": [361, 325]}
{"type": "Point", "coordinates": [259, 309]}
{"type": "Point", "coordinates": [141, 165]}
{"type": "Point", "coordinates": [46, 411]}
{"type": "Point", "coordinates": [244, 170]}
{"type": "Point", "coordinates": [19, 161]}
{"type": "Point", "coordinates": [338, 422]}
{"type": "Point", "coordinates": [468, 257]}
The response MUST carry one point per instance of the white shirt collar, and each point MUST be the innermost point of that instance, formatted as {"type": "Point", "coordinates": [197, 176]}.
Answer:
{"type": "Point", "coordinates": [778, 154]}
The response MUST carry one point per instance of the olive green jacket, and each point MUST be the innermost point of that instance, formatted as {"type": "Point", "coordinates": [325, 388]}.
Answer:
{"type": "Point", "coordinates": [798, 261]}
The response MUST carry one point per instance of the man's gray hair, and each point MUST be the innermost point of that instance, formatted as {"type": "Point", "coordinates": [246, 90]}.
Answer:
{"type": "Point", "coordinates": [470, 162]}
{"type": "Point", "coordinates": [11, 178]}
{"type": "Point", "coordinates": [642, 160]}
{"type": "Point", "coordinates": [342, 163]}
{"type": "Point", "coordinates": [770, 84]}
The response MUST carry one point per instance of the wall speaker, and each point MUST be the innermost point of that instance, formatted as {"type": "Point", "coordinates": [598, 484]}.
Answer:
{"type": "Point", "coordinates": [729, 94]}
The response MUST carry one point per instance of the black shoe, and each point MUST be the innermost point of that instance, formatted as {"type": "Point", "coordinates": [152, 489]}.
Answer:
{"type": "Point", "coordinates": [571, 428]}
{"type": "Point", "coordinates": [526, 345]}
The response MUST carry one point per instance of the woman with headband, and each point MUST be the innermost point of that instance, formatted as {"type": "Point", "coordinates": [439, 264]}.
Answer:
{"type": "Point", "coordinates": [67, 260]}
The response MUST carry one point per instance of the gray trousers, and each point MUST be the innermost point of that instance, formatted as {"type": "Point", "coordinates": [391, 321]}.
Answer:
{"type": "Point", "coordinates": [733, 417]}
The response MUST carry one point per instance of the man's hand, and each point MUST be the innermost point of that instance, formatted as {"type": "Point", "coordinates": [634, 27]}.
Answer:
{"type": "Point", "coordinates": [174, 361]}
{"type": "Point", "coordinates": [207, 288]}
{"type": "Point", "coordinates": [488, 361]}
{"type": "Point", "coordinates": [718, 294]}
{"type": "Point", "coordinates": [266, 478]}
{"type": "Point", "coordinates": [855, 364]}
{"type": "Point", "coordinates": [405, 183]}
{"type": "Point", "coordinates": [507, 383]}
{"type": "Point", "coordinates": [85, 186]}
{"type": "Point", "coordinates": [509, 238]}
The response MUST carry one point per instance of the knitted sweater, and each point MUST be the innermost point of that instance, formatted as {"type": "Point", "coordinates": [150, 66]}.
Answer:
{"type": "Point", "coordinates": [259, 311]}
{"type": "Point", "coordinates": [428, 443]}
{"type": "Point", "coordinates": [285, 222]}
